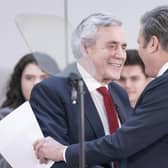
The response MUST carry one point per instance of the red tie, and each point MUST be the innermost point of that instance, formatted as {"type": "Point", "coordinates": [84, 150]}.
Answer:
{"type": "Point", "coordinates": [110, 110]}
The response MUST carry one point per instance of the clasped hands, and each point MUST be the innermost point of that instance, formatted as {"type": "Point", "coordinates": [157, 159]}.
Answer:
{"type": "Point", "coordinates": [48, 149]}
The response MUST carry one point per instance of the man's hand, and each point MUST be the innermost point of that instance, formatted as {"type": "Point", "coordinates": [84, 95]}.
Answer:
{"type": "Point", "coordinates": [48, 149]}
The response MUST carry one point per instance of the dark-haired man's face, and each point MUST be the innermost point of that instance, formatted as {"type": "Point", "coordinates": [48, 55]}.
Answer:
{"type": "Point", "coordinates": [133, 80]}
{"type": "Point", "coordinates": [146, 52]}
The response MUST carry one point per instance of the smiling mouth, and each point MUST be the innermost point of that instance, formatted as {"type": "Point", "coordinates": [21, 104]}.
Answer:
{"type": "Point", "coordinates": [116, 65]}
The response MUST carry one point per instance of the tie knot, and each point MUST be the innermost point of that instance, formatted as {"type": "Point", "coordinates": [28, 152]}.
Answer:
{"type": "Point", "coordinates": [103, 90]}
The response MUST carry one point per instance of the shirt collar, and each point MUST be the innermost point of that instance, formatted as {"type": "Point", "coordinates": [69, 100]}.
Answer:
{"type": "Point", "coordinates": [90, 82]}
{"type": "Point", "coordinates": [163, 69]}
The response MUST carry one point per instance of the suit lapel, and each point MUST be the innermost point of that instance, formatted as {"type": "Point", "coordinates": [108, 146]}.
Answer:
{"type": "Point", "coordinates": [117, 103]}
{"type": "Point", "coordinates": [92, 115]}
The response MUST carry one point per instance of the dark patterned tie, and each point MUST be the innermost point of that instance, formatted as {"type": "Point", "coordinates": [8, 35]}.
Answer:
{"type": "Point", "coordinates": [110, 110]}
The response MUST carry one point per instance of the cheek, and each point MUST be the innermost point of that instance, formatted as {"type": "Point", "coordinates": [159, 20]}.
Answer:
{"type": "Point", "coordinates": [140, 87]}
{"type": "Point", "coordinates": [141, 51]}
{"type": "Point", "coordinates": [26, 89]}
{"type": "Point", "coordinates": [99, 62]}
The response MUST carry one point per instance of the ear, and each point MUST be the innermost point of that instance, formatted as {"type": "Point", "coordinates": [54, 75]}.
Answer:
{"type": "Point", "coordinates": [83, 47]}
{"type": "Point", "coordinates": [86, 48]}
{"type": "Point", "coordinates": [153, 44]}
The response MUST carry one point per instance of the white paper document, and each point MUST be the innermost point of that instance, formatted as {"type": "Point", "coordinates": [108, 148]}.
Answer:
{"type": "Point", "coordinates": [18, 131]}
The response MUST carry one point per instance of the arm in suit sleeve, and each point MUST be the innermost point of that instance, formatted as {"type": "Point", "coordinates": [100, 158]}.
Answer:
{"type": "Point", "coordinates": [144, 128]}
{"type": "Point", "coordinates": [50, 110]}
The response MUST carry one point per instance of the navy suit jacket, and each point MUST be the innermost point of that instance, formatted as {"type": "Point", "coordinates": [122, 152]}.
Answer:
{"type": "Point", "coordinates": [142, 140]}
{"type": "Point", "coordinates": [58, 117]}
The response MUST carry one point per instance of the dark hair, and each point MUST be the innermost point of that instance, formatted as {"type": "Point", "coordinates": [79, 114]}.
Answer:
{"type": "Point", "coordinates": [155, 23]}
{"type": "Point", "coordinates": [14, 96]}
{"type": "Point", "coordinates": [133, 58]}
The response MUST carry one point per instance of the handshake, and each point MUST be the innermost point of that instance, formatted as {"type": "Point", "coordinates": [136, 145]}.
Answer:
{"type": "Point", "coordinates": [48, 149]}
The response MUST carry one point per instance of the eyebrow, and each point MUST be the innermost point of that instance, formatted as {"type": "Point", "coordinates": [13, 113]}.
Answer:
{"type": "Point", "coordinates": [116, 42]}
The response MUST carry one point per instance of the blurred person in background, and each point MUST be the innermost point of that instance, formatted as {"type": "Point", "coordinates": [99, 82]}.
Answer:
{"type": "Point", "coordinates": [133, 77]}
{"type": "Point", "coordinates": [30, 70]}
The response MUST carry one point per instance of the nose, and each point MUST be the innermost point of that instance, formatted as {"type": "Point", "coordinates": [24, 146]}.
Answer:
{"type": "Point", "coordinates": [120, 52]}
{"type": "Point", "coordinates": [128, 84]}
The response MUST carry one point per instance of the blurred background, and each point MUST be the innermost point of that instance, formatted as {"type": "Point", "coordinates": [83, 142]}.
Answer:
{"type": "Point", "coordinates": [46, 26]}
{"type": "Point", "coordinates": [13, 45]}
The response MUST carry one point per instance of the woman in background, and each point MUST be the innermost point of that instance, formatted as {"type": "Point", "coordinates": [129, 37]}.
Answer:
{"type": "Point", "coordinates": [30, 70]}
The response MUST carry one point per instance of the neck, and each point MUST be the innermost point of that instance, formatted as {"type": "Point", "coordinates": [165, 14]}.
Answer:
{"type": "Point", "coordinates": [132, 103]}
{"type": "Point", "coordinates": [88, 65]}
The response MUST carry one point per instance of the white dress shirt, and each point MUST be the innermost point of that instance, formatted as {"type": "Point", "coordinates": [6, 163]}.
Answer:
{"type": "Point", "coordinates": [163, 69]}
{"type": "Point", "coordinates": [97, 98]}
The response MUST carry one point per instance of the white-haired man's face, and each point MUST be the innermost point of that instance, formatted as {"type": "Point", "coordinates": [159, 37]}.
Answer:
{"type": "Point", "coordinates": [108, 53]}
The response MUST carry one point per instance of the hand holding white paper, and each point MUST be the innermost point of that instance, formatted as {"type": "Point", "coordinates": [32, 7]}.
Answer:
{"type": "Point", "coordinates": [19, 130]}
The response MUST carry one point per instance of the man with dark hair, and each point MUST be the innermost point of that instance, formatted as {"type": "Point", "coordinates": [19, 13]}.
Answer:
{"type": "Point", "coordinates": [143, 138]}
{"type": "Point", "coordinates": [133, 77]}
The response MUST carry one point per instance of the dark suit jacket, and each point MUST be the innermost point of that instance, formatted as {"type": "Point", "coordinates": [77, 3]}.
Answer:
{"type": "Point", "coordinates": [143, 139]}
{"type": "Point", "coordinates": [58, 117]}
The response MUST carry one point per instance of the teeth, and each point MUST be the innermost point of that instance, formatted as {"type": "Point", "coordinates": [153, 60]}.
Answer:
{"type": "Point", "coordinates": [116, 65]}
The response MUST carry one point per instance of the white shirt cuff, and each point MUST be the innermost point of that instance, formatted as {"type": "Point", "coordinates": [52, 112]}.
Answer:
{"type": "Point", "coordinates": [64, 153]}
